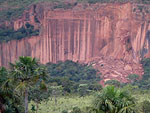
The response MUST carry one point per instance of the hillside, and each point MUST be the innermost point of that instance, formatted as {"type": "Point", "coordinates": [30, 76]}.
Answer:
{"type": "Point", "coordinates": [113, 37]}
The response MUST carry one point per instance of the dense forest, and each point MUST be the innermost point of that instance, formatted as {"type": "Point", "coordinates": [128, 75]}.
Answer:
{"type": "Point", "coordinates": [32, 87]}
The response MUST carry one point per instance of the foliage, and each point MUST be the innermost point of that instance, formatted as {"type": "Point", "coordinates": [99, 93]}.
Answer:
{"type": "Point", "coordinates": [11, 14]}
{"type": "Point", "coordinates": [114, 1]}
{"type": "Point", "coordinates": [26, 72]}
{"type": "Point", "coordinates": [13, 9]}
{"type": "Point", "coordinates": [65, 103]}
{"type": "Point", "coordinates": [64, 111]}
{"type": "Point", "coordinates": [144, 83]}
{"type": "Point", "coordinates": [10, 101]}
{"type": "Point", "coordinates": [68, 102]}
{"type": "Point", "coordinates": [113, 100]}
{"type": "Point", "coordinates": [7, 34]}
{"type": "Point", "coordinates": [37, 95]}
{"type": "Point", "coordinates": [71, 75]}
{"type": "Point", "coordinates": [82, 90]}
{"type": "Point", "coordinates": [96, 1]}
{"type": "Point", "coordinates": [133, 77]}
{"type": "Point", "coordinates": [76, 110]}
{"type": "Point", "coordinates": [26, 76]}
{"type": "Point", "coordinates": [145, 106]}
{"type": "Point", "coordinates": [113, 82]}
{"type": "Point", "coordinates": [64, 5]}
{"type": "Point", "coordinates": [68, 81]}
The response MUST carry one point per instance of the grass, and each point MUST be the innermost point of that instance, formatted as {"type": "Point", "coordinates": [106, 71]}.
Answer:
{"type": "Point", "coordinates": [69, 102]}
{"type": "Point", "coordinates": [140, 96]}
{"type": "Point", "coordinates": [64, 103]}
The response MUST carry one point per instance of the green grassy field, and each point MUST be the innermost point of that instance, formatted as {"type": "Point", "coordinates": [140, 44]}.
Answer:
{"type": "Point", "coordinates": [68, 102]}
{"type": "Point", "coordinates": [64, 103]}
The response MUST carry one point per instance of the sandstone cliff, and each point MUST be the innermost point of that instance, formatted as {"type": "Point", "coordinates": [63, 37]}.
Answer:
{"type": "Point", "coordinates": [116, 34]}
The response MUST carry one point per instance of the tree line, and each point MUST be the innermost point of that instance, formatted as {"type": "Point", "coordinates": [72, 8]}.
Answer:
{"type": "Point", "coordinates": [27, 80]}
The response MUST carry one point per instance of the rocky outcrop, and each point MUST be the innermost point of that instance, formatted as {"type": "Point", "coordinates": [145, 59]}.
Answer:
{"type": "Point", "coordinates": [117, 69]}
{"type": "Point", "coordinates": [117, 31]}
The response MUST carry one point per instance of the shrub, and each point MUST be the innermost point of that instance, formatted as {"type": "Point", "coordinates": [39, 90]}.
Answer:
{"type": "Point", "coordinates": [64, 111]}
{"type": "Point", "coordinates": [76, 110]}
{"type": "Point", "coordinates": [133, 77]}
{"type": "Point", "coordinates": [63, 5]}
{"type": "Point", "coordinates": [113, 82]}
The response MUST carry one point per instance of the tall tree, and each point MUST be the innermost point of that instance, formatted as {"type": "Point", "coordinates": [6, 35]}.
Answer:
{"type": "Point", "coordinates": [26, 72]}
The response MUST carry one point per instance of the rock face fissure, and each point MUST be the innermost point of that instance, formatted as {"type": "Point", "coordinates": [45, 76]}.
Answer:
{"type": "Point", "coordinates": [110, 30]}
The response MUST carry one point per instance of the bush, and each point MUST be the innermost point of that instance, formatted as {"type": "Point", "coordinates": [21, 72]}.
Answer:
{"type": "Point", "coordinates": [145, 106]}
{"type": "Point", "coordinates": [113, 82]}
{"type": "Point", "coordinates": [96, 1]}
{"type": "Point", "coordinates": [64, 111]}
{"type": "Point", "coordinates": [76, 110]}
{"type": "Point", "coordinates": [133, 77]}
{"type": "Point", "coordinates": [144, 83]}
{"type": "Point", "coordinates": [63, 5]}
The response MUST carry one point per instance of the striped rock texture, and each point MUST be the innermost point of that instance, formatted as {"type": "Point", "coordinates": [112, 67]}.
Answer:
{"type": "Point", "coordinates": [116, 34]}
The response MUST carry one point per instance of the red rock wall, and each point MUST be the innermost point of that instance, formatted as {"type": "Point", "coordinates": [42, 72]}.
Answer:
{"type": "Point", "coordinates": [111, 30]}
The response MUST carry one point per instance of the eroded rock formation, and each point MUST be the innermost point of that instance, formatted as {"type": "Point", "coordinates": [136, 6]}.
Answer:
{"type": "Point", "coordinates": [119, 32]}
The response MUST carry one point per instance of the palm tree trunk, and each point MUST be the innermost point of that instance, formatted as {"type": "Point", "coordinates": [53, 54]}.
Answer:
{"type": "Point", "coordinates": [37, 107]}
{"type": "Point", "coordinates": [55, 100]}
{"type": "Point", "coordinates": [26, 100]}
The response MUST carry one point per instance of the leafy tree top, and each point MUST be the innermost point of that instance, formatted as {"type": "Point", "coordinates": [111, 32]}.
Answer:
{"type": "Point", "coordinates": [27, 71]}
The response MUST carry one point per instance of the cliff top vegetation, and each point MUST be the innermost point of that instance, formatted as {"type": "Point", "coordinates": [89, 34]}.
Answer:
{"type": "Point", "coordinates": [12, 9]}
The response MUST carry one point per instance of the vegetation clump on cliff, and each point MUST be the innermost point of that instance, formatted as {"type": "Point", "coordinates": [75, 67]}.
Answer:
{"type": "Point", "coordinates": [7, 34]}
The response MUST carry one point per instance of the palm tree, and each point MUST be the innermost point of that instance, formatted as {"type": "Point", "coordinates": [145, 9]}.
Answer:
{"type": "Point", "coordinates": [3, 77]}
{"type": "Point", "coordinates": [26, 72]}
{"type": "Point", "coordinates": [9, 101]}
{"type": "Point", "coordinates": [113, 100]}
